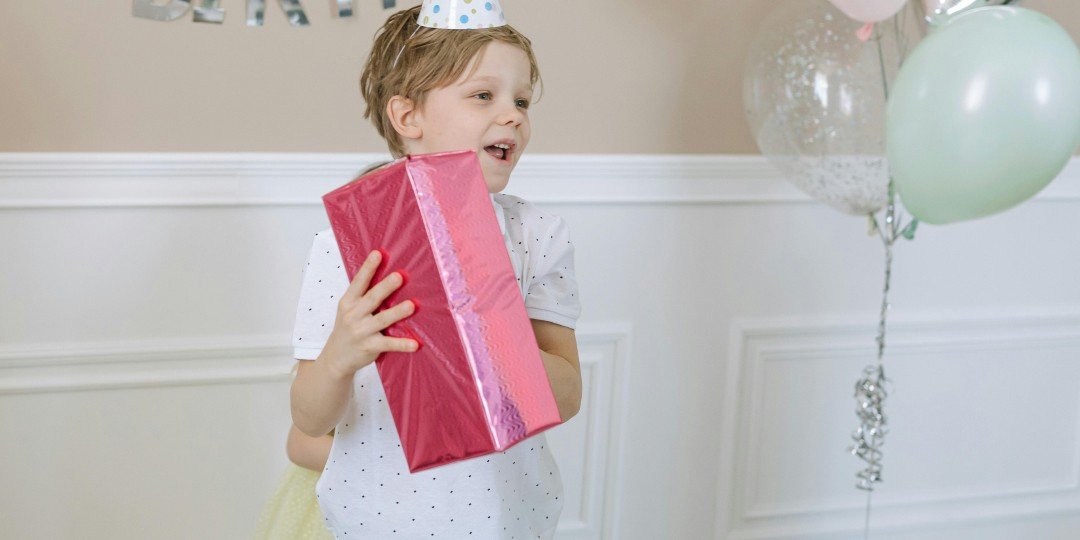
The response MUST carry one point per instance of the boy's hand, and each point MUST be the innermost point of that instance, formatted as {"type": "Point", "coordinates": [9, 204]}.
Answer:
{"type": "Point", "coordinates": [356, 340]}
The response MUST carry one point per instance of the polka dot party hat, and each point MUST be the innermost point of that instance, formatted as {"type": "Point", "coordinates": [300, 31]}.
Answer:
{"type": "Point", "coordinates": [461, 14]}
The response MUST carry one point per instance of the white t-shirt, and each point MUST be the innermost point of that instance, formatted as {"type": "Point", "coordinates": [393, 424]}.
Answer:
{"type": "Point", "coordinates": [366, 490]}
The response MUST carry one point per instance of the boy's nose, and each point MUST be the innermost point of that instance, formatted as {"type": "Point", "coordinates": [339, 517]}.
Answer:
{"type": "Point", "coordinates": [512, 116]}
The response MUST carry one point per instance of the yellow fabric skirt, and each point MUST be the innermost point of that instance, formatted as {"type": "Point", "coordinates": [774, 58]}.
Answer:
{"type": "Point", "coordinates": [293, 513]}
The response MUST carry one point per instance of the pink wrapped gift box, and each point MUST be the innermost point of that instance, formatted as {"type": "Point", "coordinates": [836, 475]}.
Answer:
{"type": "Point", "coordinates": [477, 384]}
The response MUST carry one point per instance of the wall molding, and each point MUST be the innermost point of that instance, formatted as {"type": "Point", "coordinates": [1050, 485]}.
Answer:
{"type": "Point", "coordinates": [126, 365]}
{"type": "Point", "coordinates": [111, 180]}
{"type": "Point", "coordinates": [605, 356]}
{"type": "Point", "coordinates": [36, 368]}
{"type": "Point", "coordinates": [755, 342]}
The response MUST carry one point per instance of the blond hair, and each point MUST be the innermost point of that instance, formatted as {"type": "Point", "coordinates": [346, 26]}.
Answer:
{"type": "Point", "coordinates": [432, 58]}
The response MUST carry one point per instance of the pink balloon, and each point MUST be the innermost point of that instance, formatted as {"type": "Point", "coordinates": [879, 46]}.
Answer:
{"type": "Point", "coordinates": [869, 11]}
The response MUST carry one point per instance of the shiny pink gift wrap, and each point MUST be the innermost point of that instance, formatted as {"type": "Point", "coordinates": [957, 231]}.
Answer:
{"type": "Point", "coordinates": [477, 384]}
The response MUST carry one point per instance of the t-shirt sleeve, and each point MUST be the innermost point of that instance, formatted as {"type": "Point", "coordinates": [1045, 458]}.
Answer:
{"type": "Point", "coordinates": [553, 292]}
{"type": "Point", "coordinates": [320, 290]}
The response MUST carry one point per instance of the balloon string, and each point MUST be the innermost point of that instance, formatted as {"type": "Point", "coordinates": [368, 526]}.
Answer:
{"type": "Point", "coordinates": [898, 31]}
{"type": "Point", "coordinates": [870, 391]}
{"type": "Point", "coordinates": [881, 65]}
{"type": "Point", "coordinates": [866, 528]}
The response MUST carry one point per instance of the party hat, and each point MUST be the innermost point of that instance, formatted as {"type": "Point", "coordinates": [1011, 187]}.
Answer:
{"type": "Point", "coordinates": [461, 14]}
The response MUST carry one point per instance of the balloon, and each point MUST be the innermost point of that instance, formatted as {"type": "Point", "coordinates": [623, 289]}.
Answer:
{"type": "Point", "coordinates": [984, 113]}
{"type": "Point", "coordinates": [938, 10]}
{"type": "Point", "coordinates": [815, 101]}
{"type": "Point", "coordinates": [869, 11]}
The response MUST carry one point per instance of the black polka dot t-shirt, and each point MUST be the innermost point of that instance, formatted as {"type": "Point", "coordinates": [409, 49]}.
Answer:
{"type": "Point", "coordinates": [366, 489]}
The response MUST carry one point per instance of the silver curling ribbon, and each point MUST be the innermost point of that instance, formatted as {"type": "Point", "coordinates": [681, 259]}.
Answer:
{"type": "Point", "coordinates": [256, 10]}
{"type": "Point", "coordinates": [209, 11]}
{"type": "Point", "coordinates": [870, 396]}
{"type": "Point", "coordinates": [147, 9]}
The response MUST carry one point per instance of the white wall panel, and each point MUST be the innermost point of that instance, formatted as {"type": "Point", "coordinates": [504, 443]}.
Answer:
{"type": "Point", "coordinates": [146, 302]}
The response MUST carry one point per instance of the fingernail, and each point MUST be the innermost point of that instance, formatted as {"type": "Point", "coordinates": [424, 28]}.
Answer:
{"type": "Point", "coordinates": [374, 255]}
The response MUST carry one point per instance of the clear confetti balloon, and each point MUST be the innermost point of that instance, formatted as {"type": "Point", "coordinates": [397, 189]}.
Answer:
{"type": "Point", "coordinates": [815, 99]}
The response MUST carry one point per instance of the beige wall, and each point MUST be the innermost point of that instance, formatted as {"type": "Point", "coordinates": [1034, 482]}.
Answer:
{"type": "Point", "coordinates": [622, 76]}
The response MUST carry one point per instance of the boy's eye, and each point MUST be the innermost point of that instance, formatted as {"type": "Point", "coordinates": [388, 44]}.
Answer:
{"type": "Point", "coordinates": [523, 103]}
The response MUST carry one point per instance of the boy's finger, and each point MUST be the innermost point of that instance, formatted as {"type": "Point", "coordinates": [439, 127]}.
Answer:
{"type": "Point", "coordinates": [380, 291]}
{"type": "Point", "coordinates": [390, 344]}
{"type": "Point", "coordinates": [362, 280]}
{"type": "Point", "coordinates": [390, 316]}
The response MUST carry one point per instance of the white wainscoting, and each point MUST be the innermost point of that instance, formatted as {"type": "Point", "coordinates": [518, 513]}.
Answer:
{"type": "Point", "coordinates": [784, 485]}
{"type": "Point", "coordinates": [146, 302]}
{"type": "Point", "coordinates": [586, 447]}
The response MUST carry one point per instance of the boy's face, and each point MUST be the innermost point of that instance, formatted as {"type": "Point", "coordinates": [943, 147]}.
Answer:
{"type": "Point", "coordinates": [477, 112]}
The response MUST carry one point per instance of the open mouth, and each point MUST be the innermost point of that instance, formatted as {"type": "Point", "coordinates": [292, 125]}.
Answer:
{"type": "Point", "coordinates": [500, 151]}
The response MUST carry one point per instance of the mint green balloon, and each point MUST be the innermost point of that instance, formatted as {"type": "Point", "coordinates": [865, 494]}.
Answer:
{"type": "Point", "coordinates": [983, 114]}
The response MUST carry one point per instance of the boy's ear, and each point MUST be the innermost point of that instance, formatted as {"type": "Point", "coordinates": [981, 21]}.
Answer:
{"type": "Point", "coordinates": [404, 117]}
